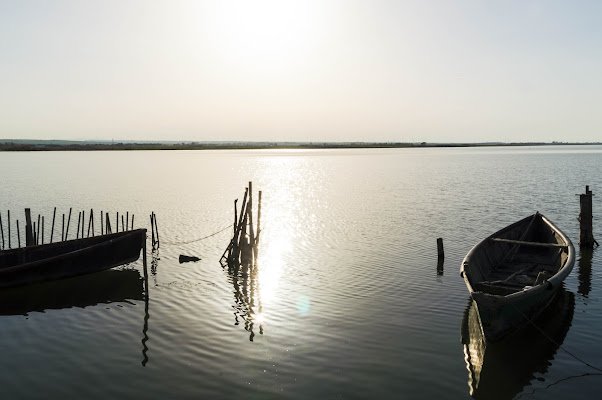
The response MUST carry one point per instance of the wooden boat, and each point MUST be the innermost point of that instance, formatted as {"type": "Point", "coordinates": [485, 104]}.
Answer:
{"type": "Point", "coordinates": [513, 274]}
{"type": "Point", "coordinates": [38, 263]}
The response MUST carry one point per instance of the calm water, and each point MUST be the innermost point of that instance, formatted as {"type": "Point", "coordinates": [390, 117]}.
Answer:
{"type": "Point", "coordinates": [347, 302]}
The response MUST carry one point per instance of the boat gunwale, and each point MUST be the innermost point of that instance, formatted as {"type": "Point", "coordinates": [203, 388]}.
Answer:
{"type": "Point", "coordinates": [111, 239]}
{"type": "Point", "coordinates": [553, 282]}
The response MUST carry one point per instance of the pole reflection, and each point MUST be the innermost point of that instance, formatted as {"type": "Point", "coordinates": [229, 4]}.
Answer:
{"type": "Point", "coordinates": [585, 271]}
{"type": "Point", "coordinates": [501, 370]}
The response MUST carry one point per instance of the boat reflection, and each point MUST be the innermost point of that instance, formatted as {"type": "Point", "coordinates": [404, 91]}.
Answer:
{"type": "Point", "coordinates": [500, 370]}
{"type": "Point", "coordinates": [114, 285]}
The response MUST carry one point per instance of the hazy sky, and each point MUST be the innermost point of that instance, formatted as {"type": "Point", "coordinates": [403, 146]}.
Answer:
{"type": "Point", "coordinates": [301, 70]}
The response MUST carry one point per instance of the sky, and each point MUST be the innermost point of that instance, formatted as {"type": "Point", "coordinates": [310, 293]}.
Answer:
{"type": "Point", "coordinates": [279, 70]}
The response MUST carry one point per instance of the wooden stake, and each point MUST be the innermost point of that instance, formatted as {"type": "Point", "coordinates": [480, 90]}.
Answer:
{"type": "Point", "coordinates": [68, 222]}
{"type": "Point", "coordinates": [127, 220]}
{"type": "Point", "coordinates": [29, 240]}
{"type": "Point", "coordinates": [122, 224]}
{"type": "Point", "coordinates": [89, 224]}
{"type": "Point", "coordinates": [152, 228]}
{"type": "Point", "coordinates": [101, 224]}
{"type": "Point", "coordinates": [132, 221]}
{"type": "Point", "coordinates": [52, 230]}
{"type": "Point", "coordinates": [117, 223]}
{"type": "Point", "coordinates": [258, 218]}
{"type": "Point", "coordinates": [2, 230]}
{"type": "Point", "coordinates": [79, 216]}
{"type": "Point", "coordinates": [586, 235]}
{"type": "Point", "coordinates": [63, 232]}
{"type": "Point", "coordinates": [9, 244]}
{"type": "Point", "coordinates": [92, 220]}
{"type": "Point", "coordinates": [250, 211]}
{"type": "Point", "coordinates": [18, 234]}
{"type": "Point", "coordinates": [42, 229]}
{"type": "Point", "coordinates": [440, 253]}
{"type": "Point", "coordinates": [157, 230]}
{"type": "Point", "coordinates": [38, 231]}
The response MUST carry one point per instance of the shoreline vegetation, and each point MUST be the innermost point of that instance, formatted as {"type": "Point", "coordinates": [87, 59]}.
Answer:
{"type": "Point", "coordinates": [64, 145]}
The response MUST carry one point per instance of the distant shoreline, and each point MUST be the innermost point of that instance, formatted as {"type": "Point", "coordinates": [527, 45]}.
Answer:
{"type": "Point", "coordinates": [33, 145]}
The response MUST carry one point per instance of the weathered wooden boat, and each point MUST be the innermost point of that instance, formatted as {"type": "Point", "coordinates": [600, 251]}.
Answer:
{"type": "Point", "coordinates": [38, 263]}
{"type": "Point", "coordinates": [514, 274]}
{"type": "Point", "coordinates": [502, 369]}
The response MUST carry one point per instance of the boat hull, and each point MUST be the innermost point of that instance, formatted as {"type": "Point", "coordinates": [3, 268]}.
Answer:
{"type": "Point", "coordinates": [532, 249]}
{"type": "Point", "coordinates": [34, 264]}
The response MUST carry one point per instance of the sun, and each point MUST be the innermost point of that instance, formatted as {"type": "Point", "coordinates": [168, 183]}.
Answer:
{"type": "Point", "coordinates": [266, 34]}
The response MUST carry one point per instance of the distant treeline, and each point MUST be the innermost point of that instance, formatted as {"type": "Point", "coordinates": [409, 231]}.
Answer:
{"type": "Point", "coordinates": [84, 146]}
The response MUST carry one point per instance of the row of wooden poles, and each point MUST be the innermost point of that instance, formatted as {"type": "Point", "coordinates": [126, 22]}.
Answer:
{"type": "Point", "coordinates": [243, 245]}
{"type": "Point", "coordinates": [34, 232]}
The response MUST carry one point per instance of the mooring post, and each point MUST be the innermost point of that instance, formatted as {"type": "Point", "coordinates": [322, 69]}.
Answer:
{"type": "Point", "coordinates": [586, 235]}
{"type": "Point", "coordinates": [18, 234]}
{"type": "Point", "coordinates": [132, 221]}
{"type": "Point", "coordinates": [440, 253]}
{"type": "Point", "coordinates": [157, 230]}
{"type": "Point", "coordinates": [63, 232]}
{"type": "Point", "coordinates": [101, 225]}
{"type": "Point", "coordinates": [79, 217]}
{"type": "Point", "coordinates": [258, 218]}
{"type": "Point", "coordinates": [250, 211]}
{"type": "Point", "coordinates": [42, 229]}
{"type": "Point", "coordinates": [28, 228]}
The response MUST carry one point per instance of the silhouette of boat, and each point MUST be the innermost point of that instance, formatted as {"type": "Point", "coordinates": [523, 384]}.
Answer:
{"type": "Point", "coordinates": [38, 263]}
{"type": "Point", "coordinates": [500, 370]}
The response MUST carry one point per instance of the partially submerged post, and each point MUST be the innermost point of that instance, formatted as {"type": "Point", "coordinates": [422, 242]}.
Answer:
{"type": "Point", "coordinates": [440, 256]}
{"type": "Point", "coordinates": [586, 234]}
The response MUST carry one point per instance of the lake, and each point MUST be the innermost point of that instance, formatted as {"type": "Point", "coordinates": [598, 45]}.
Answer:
{"type": "Point", "coordinates": [346, 302]}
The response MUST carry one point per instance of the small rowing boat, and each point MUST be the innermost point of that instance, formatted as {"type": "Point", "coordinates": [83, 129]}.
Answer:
{"type": "Point", "coordinates": [38, 263]}
{"type": "Point", "coordinates": [514, 274]}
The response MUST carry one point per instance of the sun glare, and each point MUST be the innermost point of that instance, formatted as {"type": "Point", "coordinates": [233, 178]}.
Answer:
{"type": "Point", "coordinates": [267, 34]}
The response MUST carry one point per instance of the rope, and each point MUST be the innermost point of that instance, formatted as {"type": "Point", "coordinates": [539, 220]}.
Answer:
{"type": "Point", "coordinates": [229, 226]}
{"type": "Point", "coordinates": [555, 343]}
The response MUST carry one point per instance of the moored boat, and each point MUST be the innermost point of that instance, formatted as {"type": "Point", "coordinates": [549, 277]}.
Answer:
{"type": "Point", "coordinates": [514, 274]}
{"type": "Point", "coordinates": [38, 263]}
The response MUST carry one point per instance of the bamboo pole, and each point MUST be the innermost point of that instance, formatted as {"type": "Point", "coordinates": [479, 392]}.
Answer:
{"type": "Point", "coordinates": [52, 229]}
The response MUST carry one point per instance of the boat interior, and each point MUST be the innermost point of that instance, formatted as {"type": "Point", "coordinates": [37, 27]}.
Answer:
{"type": "Point", "coordinates": [521, 256]}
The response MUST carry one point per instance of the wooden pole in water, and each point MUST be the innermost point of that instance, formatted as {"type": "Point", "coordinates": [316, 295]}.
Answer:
{"type": "Point", "coordinates": [440, 253]}
{"type": "Point", "coordinates": [68, 222]}
{"type": "Point", "coordinates": [89, 224]}
{"type": "Point", "coordinates": [79, 217]}
{"type": "Point", "coordinates": [586, 235]}
{"type": "Point", "coordinates": [127, 220]}
{"type": "Point", "coordinates": [63, 232]}
{"type": "Point", "coordinates": [38, 230]}
{"type": "Point", "coordinates": [117, 222]}
{"type": "Point", "coordinates": [258, 219]}
{"type": "Point", "coordinates": [9, 244]}
{"type": "Point", "coordinates": [101, 224]}
{"type": "Point", "coordinates": [157, 230]}
{"type": "Point", "coordinates": [108, 229]}
{"type": "Point", "coordinates": [52, 229]}
{"type": "Point", "coordinates": [42, 229]}
{"type": "Point", "coordinates": [35, 234]}
{"type": "Point", "coordinates": [29, 240]}
{"type": "Point", "coordinates": [2, 230]}
{"type": "Point", "coordinates": [152, 229]}
{"type": "Point", "coordinates": [122, 224]}
{"type": "Point", "coordinates": [92, 220]}
{"type": "Point", "coordinates": [132, 221]}
{"type": "Point", "coordinates": [250, 211]}
{"type": "Point", "coordinates": [18, 234]}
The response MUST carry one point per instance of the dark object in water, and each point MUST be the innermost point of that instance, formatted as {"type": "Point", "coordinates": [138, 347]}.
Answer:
{"type": "Point", "coordinates": [513, 274]}
{"type": "Point", "coordinates": [184, 259]}
{"type": "Point", "coordinates": [46, 262]}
